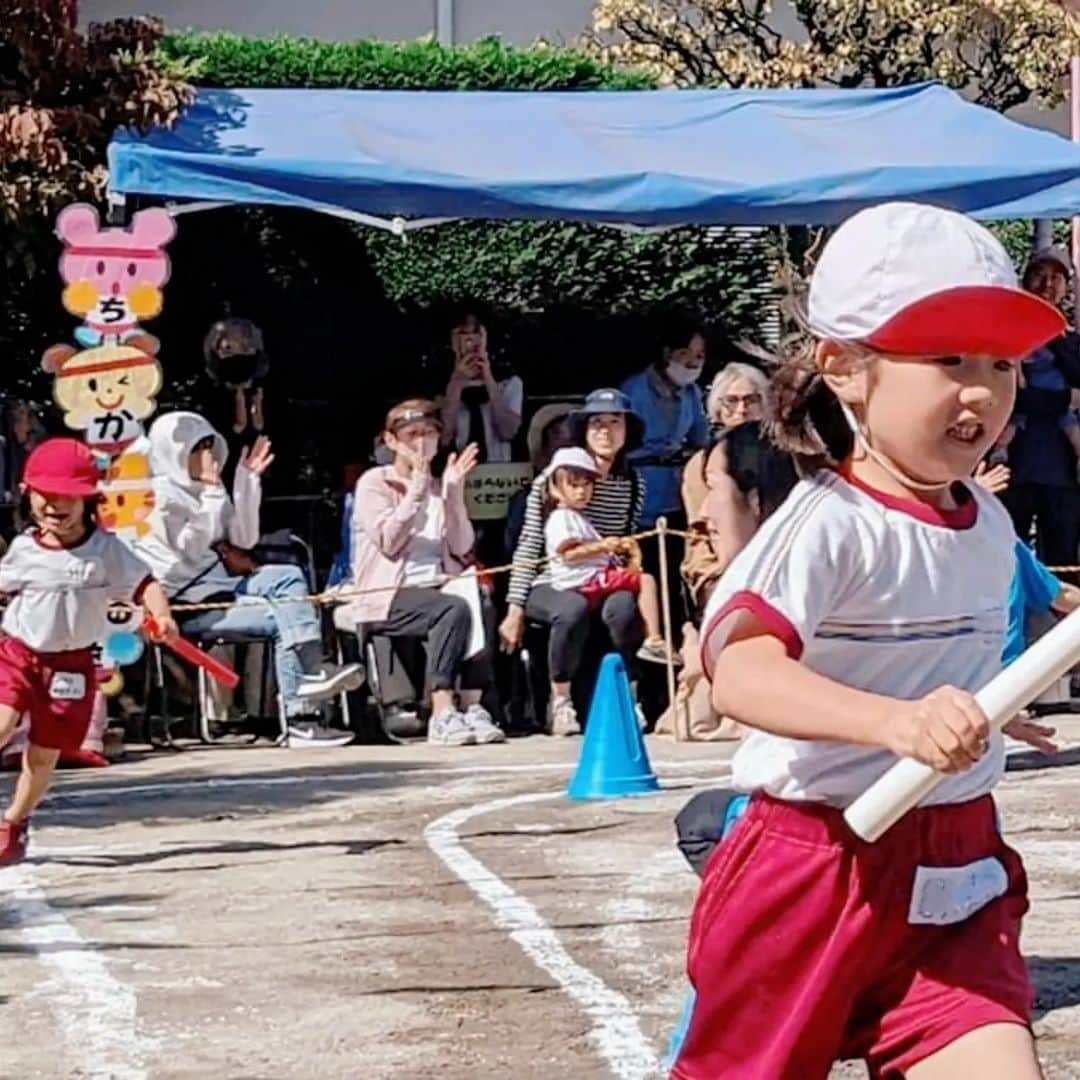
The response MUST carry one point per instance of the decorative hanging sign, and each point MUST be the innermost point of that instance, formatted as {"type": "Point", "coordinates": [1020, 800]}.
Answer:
{"type": "Point", "coordinates": [127, 496]}
{"type": "Point", "coordinates": [107, 391]}
{"type": "Point", "coordinates": [113, 277]}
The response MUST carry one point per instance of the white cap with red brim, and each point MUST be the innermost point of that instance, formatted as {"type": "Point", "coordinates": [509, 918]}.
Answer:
{"type": "Point", "coordinates": [914, 280]}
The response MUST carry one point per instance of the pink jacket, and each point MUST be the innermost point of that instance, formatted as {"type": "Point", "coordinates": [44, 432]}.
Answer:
{"type": "Point", "coordinates": [384, 510]}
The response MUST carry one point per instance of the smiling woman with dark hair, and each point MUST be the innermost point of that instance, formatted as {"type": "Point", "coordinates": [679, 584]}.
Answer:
{"type": "Point", "coordinates": [607, 427]}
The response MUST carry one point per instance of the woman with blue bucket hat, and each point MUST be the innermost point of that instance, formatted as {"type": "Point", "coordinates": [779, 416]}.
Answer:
{"type": "Point", "coordinates": [607, 427]}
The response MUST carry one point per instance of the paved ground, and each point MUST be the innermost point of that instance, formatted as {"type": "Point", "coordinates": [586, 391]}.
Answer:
{"type": "Point", "coordinates": [400, 912]}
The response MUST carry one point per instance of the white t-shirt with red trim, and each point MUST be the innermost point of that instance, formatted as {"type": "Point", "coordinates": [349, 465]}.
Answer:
{"type": "Point", "coordinates": [882, 594]}
{"type": "Point", "coordinates": [566, 529]}
{"type": "Point", "coordinates": [60, 597]}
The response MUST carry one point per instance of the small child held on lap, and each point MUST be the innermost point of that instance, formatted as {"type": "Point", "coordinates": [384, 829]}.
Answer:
{"type": "Point", "coordinates": [570, 542]}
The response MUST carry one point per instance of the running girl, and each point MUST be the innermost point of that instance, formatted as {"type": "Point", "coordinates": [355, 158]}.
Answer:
{"type": "Point", "coordinates": [851, 631]}
{"type": "Point", "coordinates": [60, 577]}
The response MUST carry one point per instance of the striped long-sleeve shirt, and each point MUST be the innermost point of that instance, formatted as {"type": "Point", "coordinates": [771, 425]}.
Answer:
{"type": "Point", "coordinates": [613, 510]}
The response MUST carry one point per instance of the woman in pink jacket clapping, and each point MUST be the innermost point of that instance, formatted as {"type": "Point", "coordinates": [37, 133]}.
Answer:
{"type": "Point", "coordinates": [410, 533]}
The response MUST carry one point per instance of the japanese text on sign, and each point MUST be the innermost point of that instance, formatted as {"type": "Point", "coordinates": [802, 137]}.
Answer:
{"type": "Point", "coordinates": [489, 488]}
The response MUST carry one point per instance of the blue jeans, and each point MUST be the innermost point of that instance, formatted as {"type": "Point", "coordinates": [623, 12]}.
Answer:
{"type": "Point", "coordinates": [293, 628]}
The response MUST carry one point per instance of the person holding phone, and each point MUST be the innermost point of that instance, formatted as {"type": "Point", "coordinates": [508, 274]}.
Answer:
{"type": "Point", "coordinates": [477, 408]}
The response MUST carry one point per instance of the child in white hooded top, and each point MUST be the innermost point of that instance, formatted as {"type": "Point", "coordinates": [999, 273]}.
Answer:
{"type": "Point", "coordinates": [199, 548]}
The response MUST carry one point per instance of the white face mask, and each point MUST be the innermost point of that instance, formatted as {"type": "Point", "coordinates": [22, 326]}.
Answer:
{"type": "Point", "coordinates": [894, 470]}
{"type": "Point", "coordinates": [681, 375]}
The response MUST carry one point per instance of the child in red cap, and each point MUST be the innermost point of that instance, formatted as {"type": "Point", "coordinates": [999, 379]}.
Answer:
{"type": "Point", "coordinates": [60, 577]}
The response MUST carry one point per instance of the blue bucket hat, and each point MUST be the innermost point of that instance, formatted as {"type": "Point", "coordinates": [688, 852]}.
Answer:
{"type": "Point", "coordinates": [607, 400]}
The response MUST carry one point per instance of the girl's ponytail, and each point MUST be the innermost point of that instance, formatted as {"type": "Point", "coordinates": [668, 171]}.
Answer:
{"type": "Point", "coordinates": [807, 420]}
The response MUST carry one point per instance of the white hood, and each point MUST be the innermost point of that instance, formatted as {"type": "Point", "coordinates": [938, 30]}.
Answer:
{"type": "Point", "coordinates": [189, 517]}
{"type": "Point", "coordinates": [173, 436]}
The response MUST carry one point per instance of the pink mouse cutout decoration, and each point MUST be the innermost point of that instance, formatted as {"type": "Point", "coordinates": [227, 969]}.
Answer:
{"type": "Point", "coordinates": [113, 277]}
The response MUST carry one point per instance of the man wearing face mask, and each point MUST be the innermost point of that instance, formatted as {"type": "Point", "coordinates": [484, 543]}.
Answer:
{"type": "Point", "coordinates": [411, 532]}
{"type": "Point", "coordinates": [667, 398]}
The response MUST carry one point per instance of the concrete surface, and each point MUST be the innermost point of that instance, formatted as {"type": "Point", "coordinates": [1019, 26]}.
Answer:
{"type": "Point", "coordinates": [402, 912]}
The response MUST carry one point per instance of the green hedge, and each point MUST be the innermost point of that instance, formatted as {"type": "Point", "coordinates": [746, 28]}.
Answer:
{"type": "Point", "coordinates": [231, 60]}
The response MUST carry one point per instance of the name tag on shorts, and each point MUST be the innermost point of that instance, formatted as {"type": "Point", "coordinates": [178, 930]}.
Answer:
{"type": "Point", "coordinates": [67, 686]}
{"type": "Point", "coordinates": [943, 895]}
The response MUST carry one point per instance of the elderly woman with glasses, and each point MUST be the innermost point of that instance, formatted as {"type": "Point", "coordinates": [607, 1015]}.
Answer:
{"type": "Point", "coordinates": [738, 394]}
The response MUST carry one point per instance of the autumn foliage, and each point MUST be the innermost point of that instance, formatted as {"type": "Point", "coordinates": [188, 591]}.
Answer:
{"type": "Point", "coordinates": [64, 92]}
{"type": "Point", "coordinates": [1002, 53]}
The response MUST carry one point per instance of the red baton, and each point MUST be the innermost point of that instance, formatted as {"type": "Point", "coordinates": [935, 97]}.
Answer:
{"type": "Point", "coordinates": [183, 648]}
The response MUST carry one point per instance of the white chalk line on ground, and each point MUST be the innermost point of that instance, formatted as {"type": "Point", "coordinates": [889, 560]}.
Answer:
{"type": "Point", "coordinates": [62, 794]}
{"type": "Point", "coordinates": [96, 1012]}
{"type": "Point", "coordinates": [615, 1027]}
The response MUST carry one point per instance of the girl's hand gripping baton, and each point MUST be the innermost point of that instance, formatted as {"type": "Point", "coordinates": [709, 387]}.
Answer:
{"type": "Point", "coordinates": [222, 673]}
{"type": "Point", "coordinates": [905, 785]}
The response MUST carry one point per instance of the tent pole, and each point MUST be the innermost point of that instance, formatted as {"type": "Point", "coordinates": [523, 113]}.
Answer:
{"type": "Point", "coordinates": [116, 213]}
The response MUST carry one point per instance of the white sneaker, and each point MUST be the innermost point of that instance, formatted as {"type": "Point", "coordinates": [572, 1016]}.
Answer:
{"type": "Point", "coordinates": [331, 680]}
{"type": "Point", "coordinates": [562, 717]}
{"type": "Point", "coordinates": [450, 728]}
{"type": "Point", "coordinates": [483, 727]}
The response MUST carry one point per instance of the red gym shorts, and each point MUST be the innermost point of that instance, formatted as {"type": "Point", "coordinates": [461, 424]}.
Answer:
{"type": "Point", "coordinates": [611, 579]}
{"type": "Point", "coordinates": [56, 689]}
{"type": "Point", "coordinates": [802, 954]}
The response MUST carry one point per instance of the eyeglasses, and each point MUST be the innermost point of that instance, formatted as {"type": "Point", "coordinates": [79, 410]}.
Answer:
{"type": "Point", "coordinates": [733, 401]}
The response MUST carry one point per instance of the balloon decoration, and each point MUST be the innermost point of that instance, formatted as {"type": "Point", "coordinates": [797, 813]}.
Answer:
{"type": "Point", "coordinates": [234, 353]}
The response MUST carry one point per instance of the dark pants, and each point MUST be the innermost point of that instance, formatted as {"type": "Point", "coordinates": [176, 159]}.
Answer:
{"type": "Point", "coordinates": [567, 613]}
{"type": "Point", "coordinates": [1056, 514]}
{"type": "Point", "coordinates": [445, 624]}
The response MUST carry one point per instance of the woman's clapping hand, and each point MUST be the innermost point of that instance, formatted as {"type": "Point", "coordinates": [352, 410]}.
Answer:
{"type": "Point", "coordinates": [458, 466]}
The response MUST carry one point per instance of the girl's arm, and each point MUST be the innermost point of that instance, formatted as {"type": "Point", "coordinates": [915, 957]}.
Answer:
{"type": "Point", "coordinates": [755, 681]}
{"type": "Point", "coordinates": [578, 550]}
{"type": "Point", "coordinates": [157, 605]}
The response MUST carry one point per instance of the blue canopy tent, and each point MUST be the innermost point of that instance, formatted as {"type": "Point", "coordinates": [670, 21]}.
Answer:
{"type": "Point", "coordinates": [642, 159]}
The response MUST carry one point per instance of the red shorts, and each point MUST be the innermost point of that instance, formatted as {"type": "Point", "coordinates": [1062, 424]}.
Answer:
{"type": "Point", "coordinates": [56, 689]}
{"type": "Point", "coordinates": [802, 952]}
{"type": "Point", "coordinates": [611, 579]}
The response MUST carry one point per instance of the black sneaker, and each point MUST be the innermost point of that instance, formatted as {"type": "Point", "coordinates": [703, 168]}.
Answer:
{"type": "Point", "coordinates": [310, 733]}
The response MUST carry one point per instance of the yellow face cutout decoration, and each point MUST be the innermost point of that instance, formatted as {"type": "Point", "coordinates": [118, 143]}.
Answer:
{"type": "Point", "coordinates": [108, 390]}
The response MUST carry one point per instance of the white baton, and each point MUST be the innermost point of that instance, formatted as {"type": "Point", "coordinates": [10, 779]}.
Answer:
{"type": "Point", "coordinates": [908, 782]}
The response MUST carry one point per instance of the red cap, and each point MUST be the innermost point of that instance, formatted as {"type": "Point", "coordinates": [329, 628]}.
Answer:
{"type": "Point", "coordinates": [62, 467]}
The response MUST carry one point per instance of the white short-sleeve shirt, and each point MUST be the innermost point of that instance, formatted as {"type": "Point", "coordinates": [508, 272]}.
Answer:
{"type": "Point", "coordinates": [564, 529]}
{"type": "Point", "coordinates": [424, 555]}
{"type": "Point", "coordinates": [60, 597]}
{"type": "Point", "coordinates": [882, 594]}
{"type": "Point", "coordinates": [511, 393]}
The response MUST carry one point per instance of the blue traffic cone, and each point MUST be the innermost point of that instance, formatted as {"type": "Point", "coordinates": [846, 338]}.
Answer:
{"type": "Point", "coordinates": [613, 760]}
